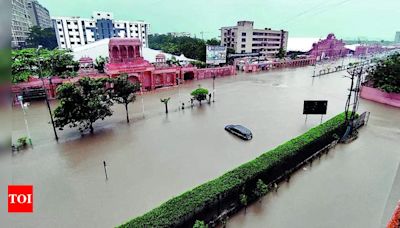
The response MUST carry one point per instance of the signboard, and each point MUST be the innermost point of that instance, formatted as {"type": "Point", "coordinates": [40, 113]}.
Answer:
{"type": "Point", "coordinates": [317, 107]}
{"type": "Point", "coordinates": [215, 54]}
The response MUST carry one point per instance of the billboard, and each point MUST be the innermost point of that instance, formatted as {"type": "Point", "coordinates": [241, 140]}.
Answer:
{"type": "Point", "coordinates": [315, 107]}
{"type": "Point", "coordinates": [215, 54]}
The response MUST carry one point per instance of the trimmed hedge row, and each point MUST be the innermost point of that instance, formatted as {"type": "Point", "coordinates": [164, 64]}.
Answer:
{"type": "Point", "coordinates": [181, 208]}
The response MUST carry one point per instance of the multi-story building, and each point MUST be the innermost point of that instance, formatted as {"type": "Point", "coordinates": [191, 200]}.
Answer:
{"type": "Point", "coordinates": [397, 38]}
{"type": "Point", "coordinates": [20, 23]}
{"type": "Point", "coordinates": [244, 38]}
{"type": "Point", "coordinates": [39, 15]}
{"type": "Point", "coordinates": [75, 31]}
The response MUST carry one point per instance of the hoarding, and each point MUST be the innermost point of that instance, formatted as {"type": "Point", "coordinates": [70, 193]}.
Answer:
{"type": "Point", "coordinates": [215, 54]}
{"type": "Point", "coordinates": [315, 107]}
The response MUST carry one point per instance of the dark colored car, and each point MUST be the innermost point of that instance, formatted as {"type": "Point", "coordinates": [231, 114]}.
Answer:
{"type": "Point", "coordinates": [239, 131]}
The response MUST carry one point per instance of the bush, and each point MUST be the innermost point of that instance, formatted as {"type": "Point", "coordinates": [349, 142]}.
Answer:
{"type": "Point", "coordinates": [200, 224]}
{"type": "Point", "coordinates": [184, 207]}
{"type": "Point", "coordinates": [22, 142]}
{"type": "Point", "coordinates": [261, 188]}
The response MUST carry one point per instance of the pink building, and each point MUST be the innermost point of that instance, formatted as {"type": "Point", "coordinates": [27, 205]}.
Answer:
{"type": "Point", "coordinates": [125, 57]}
{"type": "Point", "coordinates": [363, 50]}
{"type": "Point", "coordinates": [329, 48]}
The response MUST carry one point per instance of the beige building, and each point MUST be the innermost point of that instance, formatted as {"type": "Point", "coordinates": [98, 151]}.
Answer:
{"type": "Point", "coordinates": [244, 38]}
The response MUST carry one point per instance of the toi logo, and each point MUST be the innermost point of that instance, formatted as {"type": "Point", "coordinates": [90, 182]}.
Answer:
{"type": "Point", "coordinates": [20, 198]}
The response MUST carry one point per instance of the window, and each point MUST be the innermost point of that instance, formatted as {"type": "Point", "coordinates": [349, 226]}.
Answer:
{"type": "Point", "coordinates": [68, 22]}
{"type": "Point", "coordinates": [243, 51]}
{"type": "Point", "coordinates": [243, 39]}
{"type": "Point", "coordinates": [243, 34]}
{"type": "Point", "coordinates": [60, 30]}
{"type": "Point", "coordinates": [243, 45]}
{"type": "Point", "coordinates": [76, 30]}
{"type": "Point", "coordinates": [76, 23]}
{"type": "Point", "coordinates": [58, 22]}
{"type": "Point", "coordinates": [70, 30]}
{"type": "Point", "coordinates": [62, 42]}
{"type": "Point", "coordinates": [79, 42]}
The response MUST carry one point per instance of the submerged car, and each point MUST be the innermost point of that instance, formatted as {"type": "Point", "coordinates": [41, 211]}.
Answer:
{"type": "Point", "coordinates": [239, 131]}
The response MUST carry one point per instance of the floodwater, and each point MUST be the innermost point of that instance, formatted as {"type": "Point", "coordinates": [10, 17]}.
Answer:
{"type": "Point", "coordinates": [159, 156]}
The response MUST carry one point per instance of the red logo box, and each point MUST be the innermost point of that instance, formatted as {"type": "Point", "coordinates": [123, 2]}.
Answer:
{"type": "Point", "coordinates": [20, 198]}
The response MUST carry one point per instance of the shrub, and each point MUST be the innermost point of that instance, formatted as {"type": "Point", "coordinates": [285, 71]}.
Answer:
{"type": "Point", "coordinates": [22, 142]}
{"type": "Point", "coordinates": [243, 199]}
{"type": "Point", "coordinates": [261, 188]}
{"type": "Point", "coordinates": [200, 224]}
{"type": "Point", "coordinates": [184, 207]}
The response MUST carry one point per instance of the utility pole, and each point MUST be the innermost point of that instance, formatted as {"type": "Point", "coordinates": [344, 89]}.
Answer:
{"type": "Point", "coordinates": [45, 92]}
{"type": "Point", "coordinates": [356, 74]}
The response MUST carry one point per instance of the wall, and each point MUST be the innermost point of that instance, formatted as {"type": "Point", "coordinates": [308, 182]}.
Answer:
{"type": "Point", "coordinates": [379, 96]}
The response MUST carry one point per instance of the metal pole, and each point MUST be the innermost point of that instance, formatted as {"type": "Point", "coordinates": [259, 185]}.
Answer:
{"type": "Point", "coordinates": [25, 120]}
{"type": "Point", "coordinates": [105, 169]}
{"type": "Point", "coordinates": [179, 91]}
{"type": "Point", "coordinates": [214, 88]}
{"type": "Point", "coordinates": [141, 94]}
{"type": "Point", "coordinates": [45, 92]}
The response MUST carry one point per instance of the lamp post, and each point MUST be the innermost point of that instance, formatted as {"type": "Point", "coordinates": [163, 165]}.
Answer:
{"type": "Point", "coordinates": [214, 88]}
{"type": "Point", "coordinates": [141, 94]}
{"type": "Point", "coordinates": [45, 92]}
{"type": "Point", "coordinates": [21, 102]}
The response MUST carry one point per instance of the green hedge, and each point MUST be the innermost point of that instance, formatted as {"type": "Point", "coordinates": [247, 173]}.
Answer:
{"type": "Point", "coordinates": [182, 207]}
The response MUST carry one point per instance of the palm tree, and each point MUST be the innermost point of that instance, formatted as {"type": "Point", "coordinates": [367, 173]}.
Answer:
{"type": "Point", "coordinates": [165, 101]}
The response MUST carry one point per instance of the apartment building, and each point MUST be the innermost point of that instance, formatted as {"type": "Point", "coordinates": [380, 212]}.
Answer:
{"type": "Point", "coordinates": [75, 31]}
{"type": "Point", "coordinates": [20, 23]}
{"type": "Point", "coordinates": [244, 38]}
{"type": "Point", "coordinates": [39, 15]}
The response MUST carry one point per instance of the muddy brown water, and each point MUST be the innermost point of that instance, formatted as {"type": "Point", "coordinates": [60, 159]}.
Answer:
{"type": "Point", "coordinates": [159, 156]}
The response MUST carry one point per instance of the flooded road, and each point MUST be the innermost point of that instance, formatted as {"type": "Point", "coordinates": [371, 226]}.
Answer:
{"type": "Point", "coordinates": [157, 156]}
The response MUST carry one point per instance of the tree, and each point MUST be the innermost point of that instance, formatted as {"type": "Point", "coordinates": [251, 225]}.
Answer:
{"type": "Point", "coordinates": [123, 92]}
{"type": "Point", "coordinates": [200, 224]}
{"type": "Point", "coordinates": [261, 189]}
{"type": "Point", "coordinates": [199, 94]}
{"type": "Point", "coordinates": [100, 63]}
{"type": "Point", "coordinates": [45, 37]}
{"type": "Point", "coordinates": [243, 201]}
{"type": "Point", "coordinates": [386, 75]}
{"type": "Point", "coordinates": [81, 105]}
{"type": "Point", "coordinates": [28, 62]}
{"type": "Point", "coordinates": [281, 54]}
{"type": "Point", "coordinates": [165, 101]}
{"type": "Point", "coordinates": [193, 48]}
{"type": "Point", "coordinates": [213, 42]}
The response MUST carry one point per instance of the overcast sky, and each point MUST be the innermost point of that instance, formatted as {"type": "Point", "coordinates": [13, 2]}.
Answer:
{"type": "Point", "coordinates": [348, 19]}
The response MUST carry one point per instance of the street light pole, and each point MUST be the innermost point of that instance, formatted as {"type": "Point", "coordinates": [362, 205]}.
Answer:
{"type": "Point", "coordinates": [141, 94]}
{"type": "Point", "coordinates": [214, 88]}
{"type": "Point", "coordinates": [45, 92]}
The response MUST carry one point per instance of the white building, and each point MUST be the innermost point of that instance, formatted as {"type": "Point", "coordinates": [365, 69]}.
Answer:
{"type": "Point", "coordinates": [75, 31]}
{"type": "Point", "coordinates": [100, 48]}
{"type": "Point", "coordinates": [20, 23]}
{"type": "Point", "coordinates": [397, 38]}
{"type": "Point", "coordinates": [244, 38]}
